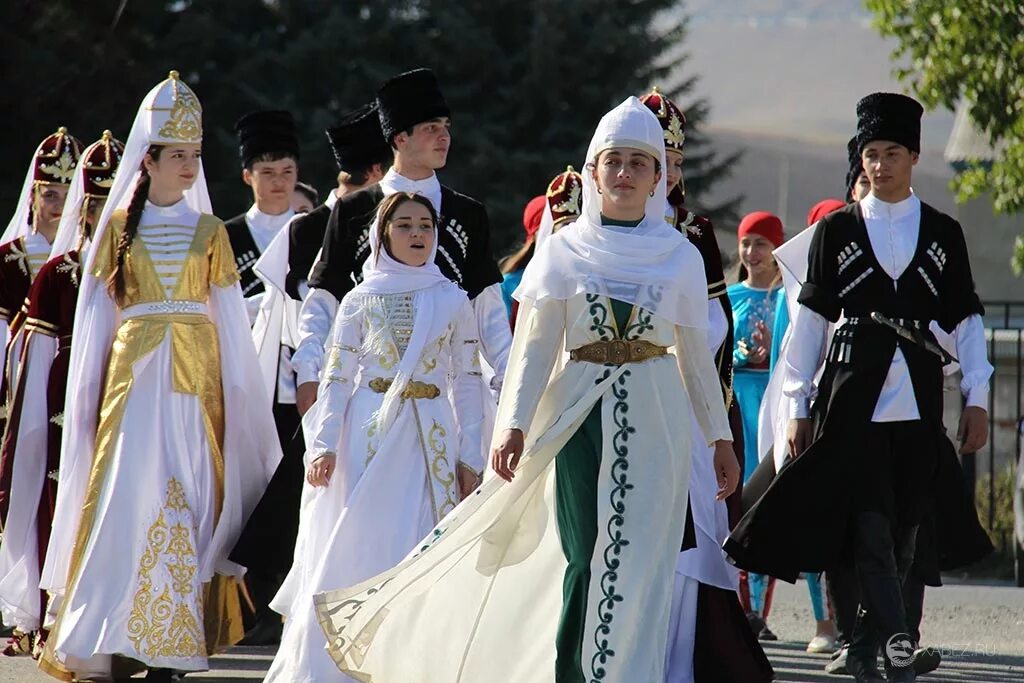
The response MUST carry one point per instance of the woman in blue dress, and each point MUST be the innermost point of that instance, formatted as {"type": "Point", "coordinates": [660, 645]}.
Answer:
{"type": "Point", "coordinates": [753, 301]}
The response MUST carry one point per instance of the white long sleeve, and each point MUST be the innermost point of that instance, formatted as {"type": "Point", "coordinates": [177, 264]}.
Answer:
{"type": "Point", "coordinates": [315, 320]}
{"type": "Point", "coordinates": [700, 377]}
{"type": "Point", "coordinates": [336, 387]}
{"type": "Point", "coordinates": [494, 332]}
{"type": "Point", "coordinates": [544, 330]}
{"type": "Point", "coordinates": [467, 390]}
{"type": "Point", "coordinates": [718, 325]}
{"type": "Point", "coordinates": [974, 363]}
{"type": "Point", "coordinates": [802, 360]}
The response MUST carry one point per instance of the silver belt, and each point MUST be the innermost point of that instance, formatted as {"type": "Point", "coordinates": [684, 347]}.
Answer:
{"type": "Point", "coordinates": [166, 307]}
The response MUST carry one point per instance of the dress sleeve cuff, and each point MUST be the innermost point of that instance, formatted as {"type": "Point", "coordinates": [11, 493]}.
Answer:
{"type": "Point", "coordinates": [799, 408]}
{"type": "Point", "coordinates": [978, 397]}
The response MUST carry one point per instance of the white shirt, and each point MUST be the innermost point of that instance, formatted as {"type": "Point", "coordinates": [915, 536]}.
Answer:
{"type": "Point", "coordinates": [430, 187]}
{"type": "Point", "coordinates": [893, 231]}
{"type": "Point", "coordinates": [264, 227]}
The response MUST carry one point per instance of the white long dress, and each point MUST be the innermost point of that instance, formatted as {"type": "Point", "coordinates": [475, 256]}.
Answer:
{"type": "Point", "coordinates": [480, 599]}
{"type": "Point", "coordinates": [381, 499]}
{"type": "Point", "coordinates": [184, 444]}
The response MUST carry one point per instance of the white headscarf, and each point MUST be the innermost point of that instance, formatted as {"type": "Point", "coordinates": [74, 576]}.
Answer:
{"type": "Point", "coordinates": [436, 302]}
{"type": "Point", "coordinates": [653, 266]}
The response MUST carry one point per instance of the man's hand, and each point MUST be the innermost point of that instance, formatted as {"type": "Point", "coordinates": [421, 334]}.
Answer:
{"type": "Point", "coordinates": [727, 469]}
{"type": "Point", "coordinates": [305, 397]}
{"type": "Point", "coordinates": [973, 432]}
{"type": "Point", "coordinates": [505, 456]}
{"type": "Point", "coordinates": [798, 436]}
{"type": "Point", "coordinates": [320, 471]}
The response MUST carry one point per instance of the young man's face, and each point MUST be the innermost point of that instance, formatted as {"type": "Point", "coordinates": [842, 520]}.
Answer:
{"type": "Point", "coordinates": [272, 181]}
{"type": "Point", "coordinates": [428, 144]}
{"type": "Point", "coordinates": [889, 166]}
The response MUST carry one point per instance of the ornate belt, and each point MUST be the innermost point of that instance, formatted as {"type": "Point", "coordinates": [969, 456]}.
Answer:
{"type": "Point", "coordinates": [617, 352]}
{"type": "Point", "coordinates": [168, 306]}
{"type": "Point", "coordinates": [413, 390]}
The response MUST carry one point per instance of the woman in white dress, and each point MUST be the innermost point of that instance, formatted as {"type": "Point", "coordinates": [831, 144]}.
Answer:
{"type": "Point", "coordinates": [168, 437]}
{"type": "Point", "coordinates": [560, 568]}
{"type": "Point", "coordinates": [396, 424]}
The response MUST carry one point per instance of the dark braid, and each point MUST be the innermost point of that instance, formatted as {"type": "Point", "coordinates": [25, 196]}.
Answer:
{"type": "Point", "coordinates": [115, 284]}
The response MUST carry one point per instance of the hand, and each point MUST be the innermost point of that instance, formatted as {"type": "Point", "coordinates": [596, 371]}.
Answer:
{"type": "Point", "coordinates": [468, 480]}
{"type": "Point", "coordinates": [727, 469]}
{"type": "Point", "coordinates": [752, 354]}
{"type": "Point", "coordinates": [762, 336]}
{"type": "Point", "coordinates": [320, 471]}
{"type": "Point", "coordinates": [505, 456]}
{"type": "Point", "coordinates": [305, 396]}
{"type": "Point", "coordinates": [798, 436]}
{"type": "Point", "coordinates": [973, 432]}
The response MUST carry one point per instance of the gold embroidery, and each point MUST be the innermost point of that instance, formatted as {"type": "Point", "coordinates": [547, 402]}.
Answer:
{"type": "Point", "coordinates": [165, 621]}
{"type": "Point", "coordinates": [371, 442]}
{"type": "Point", "coordinates": [185, 122]}
{"type": "Point", "coordinates": [441, 468]}
{"type": "Point", "coordinates": [58, 419]}
{"type": "Point", "coordinates": [62, 171]}
{"type": "Point", "coordinates": [19, 256]}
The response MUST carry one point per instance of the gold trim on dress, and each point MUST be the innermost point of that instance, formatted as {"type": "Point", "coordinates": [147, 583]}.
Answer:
{"type": "Point", "coordinates": [617, 352]}
{"type": "Point", "coordinates": [414, 390]}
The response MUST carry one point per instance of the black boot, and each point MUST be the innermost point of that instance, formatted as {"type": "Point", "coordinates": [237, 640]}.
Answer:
{"type": "Point", "coordinates": [266, 626]}
{"type": "Point", "coordinates": [164, 675]}
{"type": "Point", "coordinates": [863, 669]}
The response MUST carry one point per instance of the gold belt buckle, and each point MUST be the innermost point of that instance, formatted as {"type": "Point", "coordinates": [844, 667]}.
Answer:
{"type": "Point", "coordinates": [617, 351]}
{"type": "Point", "coordinates": [380, 384]}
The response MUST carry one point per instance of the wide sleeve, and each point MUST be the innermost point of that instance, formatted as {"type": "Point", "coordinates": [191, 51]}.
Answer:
{"type": "Point", "coordinates": [482, 270]}
{"type": "Point", "coordinates": [252, 450]}
{"type": "Point", "coordinates": [958, 299]}
{"type": "Point", "coordinates": [702, 383]}
{"type": "Point", "coordinates": [315, 320]}
{"type": "Point", "coordinates": [803, 358]}
{"type": "Point", "coordinates": [466, 390]}
{"type": "Point", "coordinates": [223, 271]}
{"type": "Point", "coordinates": [338, 382]}
{"type": "Point", "coordinates": [540, 332]}
{"type": "Point", "coordinates": [820, 292]}
{"type": "Point", "coordinates": [96, 320]}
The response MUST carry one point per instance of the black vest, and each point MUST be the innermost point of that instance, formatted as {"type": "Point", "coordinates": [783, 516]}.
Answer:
{"type": "Point", "coordinates": [463, 247]}
{"type": "Point", "coordinates": [844, 276]}
{"type": "Point", "coordinates": [305, 238]}
{"type": "Point", "coordinates": [246, 254]}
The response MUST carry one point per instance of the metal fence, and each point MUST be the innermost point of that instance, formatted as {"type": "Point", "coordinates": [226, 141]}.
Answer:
{"type": "Point", "coordinates": [1004, 331]}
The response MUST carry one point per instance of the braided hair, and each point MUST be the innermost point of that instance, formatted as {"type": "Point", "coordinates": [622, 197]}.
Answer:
{"type": "Point", "coordinates": [115, 283]}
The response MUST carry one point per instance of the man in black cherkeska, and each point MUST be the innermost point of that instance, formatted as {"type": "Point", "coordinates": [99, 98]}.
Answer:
{"type": "Point", "coordinates": [416, 122]}
{"type": "Point", "coordinates": [889, 265]}
{"type": "Point", "coordinates": [363, 156]}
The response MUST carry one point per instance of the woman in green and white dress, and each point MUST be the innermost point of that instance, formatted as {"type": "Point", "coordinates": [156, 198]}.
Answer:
{"type": "Point", "coordinates": [558, 567]}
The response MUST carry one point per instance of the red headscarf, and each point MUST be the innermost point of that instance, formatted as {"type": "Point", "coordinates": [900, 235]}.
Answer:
{"type": "Point", "coordinates": [822, 209]}
{"type": "Point", "coordinates": [762, 223]}
{"type": "Point", "coordinates": [532, 215]}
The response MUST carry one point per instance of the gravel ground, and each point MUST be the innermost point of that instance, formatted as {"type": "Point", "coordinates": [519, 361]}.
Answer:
{"type": "Point", "coordinates": [980, 630]}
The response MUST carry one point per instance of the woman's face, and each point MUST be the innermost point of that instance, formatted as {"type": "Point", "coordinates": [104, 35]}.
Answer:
{"type": "Point", "coordinates": [626, 178]}
{"type": "Point", "coordinates": [674, 172]}
{"type": "Point", "coordinates": [49, 206]}
{"type": "Point", "coordinates": [177, 168]}
{"type": "Point", "coordinates": [756, 255]}
{"type": "Point", "coordinates": [410, 234]}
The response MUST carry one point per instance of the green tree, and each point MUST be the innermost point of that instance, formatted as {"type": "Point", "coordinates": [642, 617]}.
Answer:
{"type": "Point", "coordinates": [527, 80]}
{"type": "Point", "coordinates": [974, 52]}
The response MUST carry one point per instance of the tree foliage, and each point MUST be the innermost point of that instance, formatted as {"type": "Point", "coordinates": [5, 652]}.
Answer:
{"type": "Point", "coordinates": [527, 80]}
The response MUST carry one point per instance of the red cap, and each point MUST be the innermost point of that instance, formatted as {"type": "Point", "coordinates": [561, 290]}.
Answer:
{"type": "Point", "coordinates": [822, 209]}
{"type": "Point", "coordinates": [532, 215]}
{"type": "Point", "coordinates": [762, 223]}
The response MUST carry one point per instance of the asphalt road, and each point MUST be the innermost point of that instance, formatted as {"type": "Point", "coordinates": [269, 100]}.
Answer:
{"type": "Point", "coordinates": [980, 630]}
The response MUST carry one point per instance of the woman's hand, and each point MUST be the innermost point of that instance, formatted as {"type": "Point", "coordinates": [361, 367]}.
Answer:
{"type": "Point", "coordinates": [727, 469]}
{"type": "Point", "coordinates": [468, 480]}
{"type": "Point", "coordinates": [505, 456]}
{"type": "Point", "coordinates": [321, 469]}
{"type": "Point", "coordinates": [762, 338]}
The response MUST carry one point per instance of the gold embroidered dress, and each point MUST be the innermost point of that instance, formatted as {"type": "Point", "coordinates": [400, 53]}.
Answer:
{"type": "Point", "coordinates": [386, 494]}
{"type": "Point", "coordinates": [162, 493]}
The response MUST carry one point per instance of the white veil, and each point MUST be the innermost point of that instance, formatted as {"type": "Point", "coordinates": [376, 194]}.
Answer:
{"type": "Point", "coordinates": [653, 266]}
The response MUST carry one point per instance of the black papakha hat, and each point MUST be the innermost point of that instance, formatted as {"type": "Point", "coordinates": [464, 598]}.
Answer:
{"type": "Point", "coordinates": [357, 141]}
{"type": "Point", "coordinates": [856, 165]}
{"type": "Point", "coordinates": [262, 132]}
{"type": "Point", "coordinates": [889, 116]}
{"type": "Point", "coordinates": [408, 99]}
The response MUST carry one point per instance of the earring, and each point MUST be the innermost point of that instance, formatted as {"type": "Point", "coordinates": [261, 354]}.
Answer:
{"type": "Point", "coordinates": [652, 193]}
{"type": "Point", "coordinates": [599, 190]}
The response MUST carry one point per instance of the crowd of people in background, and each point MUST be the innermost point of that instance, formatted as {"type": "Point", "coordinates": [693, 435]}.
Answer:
{"type": "Point", "coordinates": [344, 428]}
